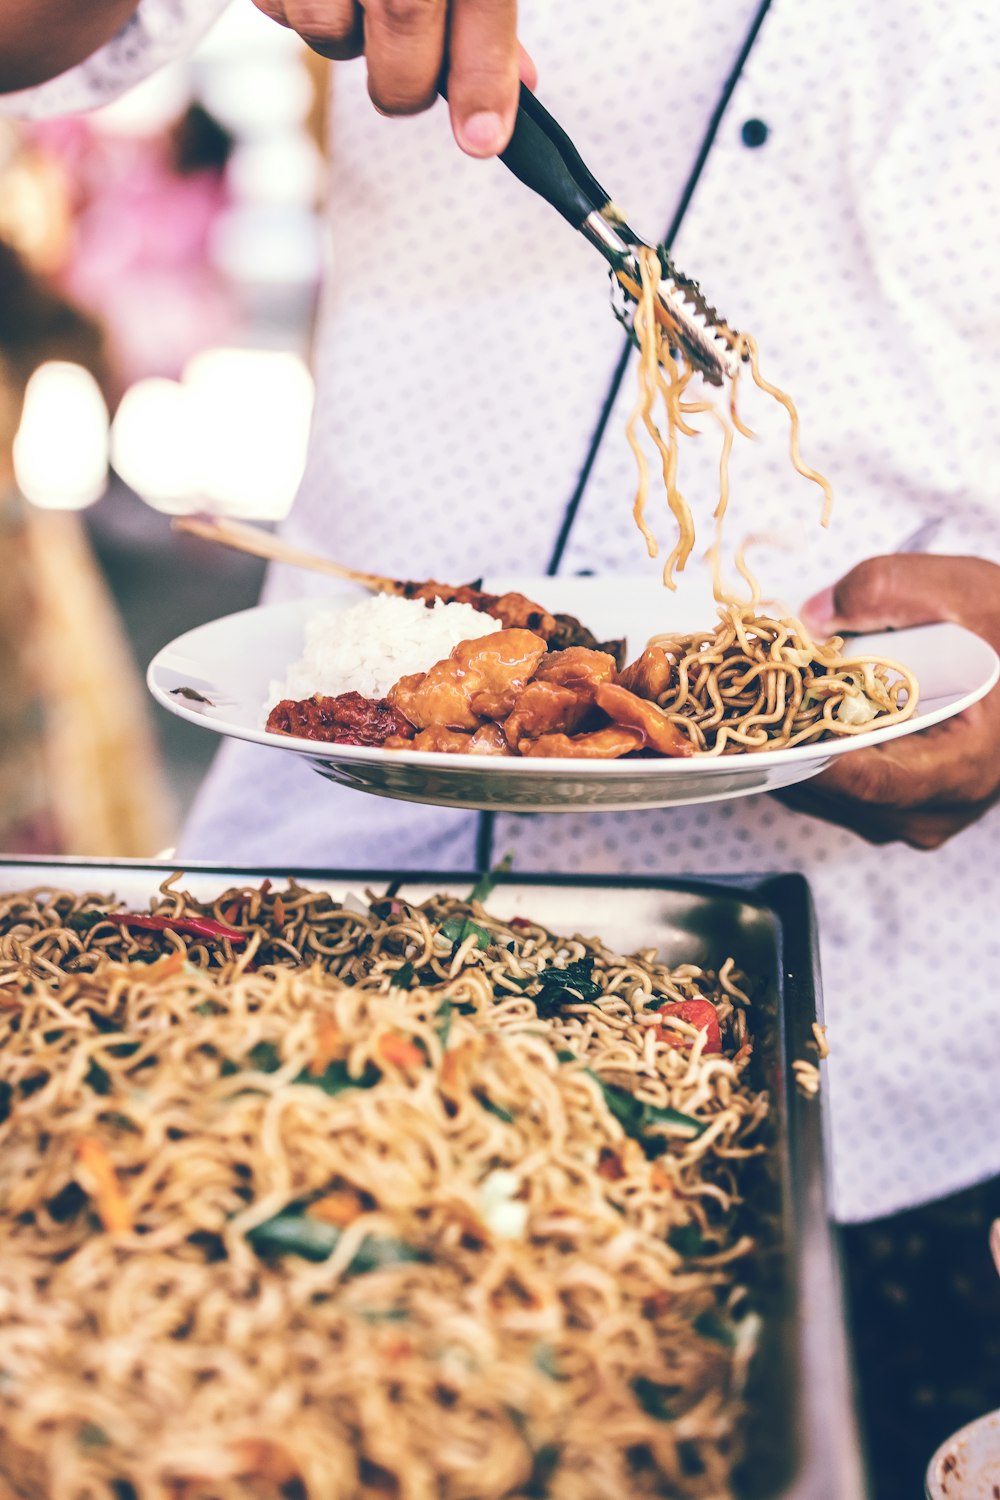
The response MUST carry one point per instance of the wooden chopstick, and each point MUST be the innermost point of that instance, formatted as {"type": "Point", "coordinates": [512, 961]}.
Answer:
{"type": "Point", "coordinates": [242, 537]}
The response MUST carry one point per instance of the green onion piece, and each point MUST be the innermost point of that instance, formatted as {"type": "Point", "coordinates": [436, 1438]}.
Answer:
{"type": "Point", "coordinates": [486, 882]}
{"type": "Point", "coordinates": [445, 1013]}
{"type": "Point", "coordinates": [457, 929]}
{"type": "Point", "coordinates": [403, 977]}
{"type": "Point", "coordinates": [495, 1109]}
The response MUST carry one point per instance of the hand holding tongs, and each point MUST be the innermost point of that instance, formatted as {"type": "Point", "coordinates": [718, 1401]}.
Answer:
{"type": "Point", "coordinates": [542, 155]}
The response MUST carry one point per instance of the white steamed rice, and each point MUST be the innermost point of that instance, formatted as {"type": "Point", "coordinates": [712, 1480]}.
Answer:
{"type": "Point", "coordinates": [368, 648]}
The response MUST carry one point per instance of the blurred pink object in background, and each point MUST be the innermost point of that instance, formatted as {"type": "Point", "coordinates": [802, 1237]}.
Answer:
{"type": "Point", "coordinates": [144, 210]}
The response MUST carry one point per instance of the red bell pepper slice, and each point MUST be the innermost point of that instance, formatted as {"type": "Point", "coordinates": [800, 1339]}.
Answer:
{"type": "Point", "coordinates": [698, 1013]}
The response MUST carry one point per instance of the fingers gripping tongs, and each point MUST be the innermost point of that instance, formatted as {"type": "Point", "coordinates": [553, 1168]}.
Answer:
{"type": "Point", "coordinates": [542, 155]}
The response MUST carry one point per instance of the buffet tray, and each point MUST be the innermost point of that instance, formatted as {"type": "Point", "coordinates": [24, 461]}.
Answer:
{"type": "Point", "coordinates": [802, 1439]}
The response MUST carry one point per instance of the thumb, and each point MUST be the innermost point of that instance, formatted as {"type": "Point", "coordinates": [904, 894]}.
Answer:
{"type": "Point", "coordinates": [905, 588]}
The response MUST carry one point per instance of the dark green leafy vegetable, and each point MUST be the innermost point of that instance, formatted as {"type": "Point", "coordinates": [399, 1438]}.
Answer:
{"type": "Point", "coordinates": [263, 1058]}
{"type": "Point", "coordinates": [84, 921]}
{"type": "Point", "coordinates": [635, 1116]}
{"type": "Point", "coordinates": [686, 1239]}
{"type": "Point", "coordinates": [293, 1233]}
{"type": "Point", "coordinates": [565, 1056]}
{"type": "Point", "coordinates": [335, 1079]}
{"type": "Point", "coordinates": [445, 1013]}
{"type": "Point", "coordinates": [403, 977]}
{"type": "Point", "coordinates": [712, 1325]}
{"type": "Point", "coordinates": [485, 884]}
{"type": "Point", "coordinates": [652, 1398]}
{"type": "Point", "coordinates": [568, 986]}
{"type": "Point", "coordinates": [457, 929]}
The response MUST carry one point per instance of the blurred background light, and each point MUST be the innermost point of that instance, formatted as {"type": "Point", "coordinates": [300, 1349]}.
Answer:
{"type": "Point", "coordinates": [253, 409]}
{"type": "Point", "coordinates": [230, 436]}
{"type": "Point", "coordinates": [284, 168]}
{"type": "Point", "coordinates": [268, 244]}
{"type": "Point", "coordinates": [149, 107]}
{"type": "Point", "coordinates": [61, 448]}
{"type": "Point", "coordinates": [153, 444]}
{"type": "Point", "coordinates": [254, 96]}
{"type": "Point", "coordinates": [243, 29]}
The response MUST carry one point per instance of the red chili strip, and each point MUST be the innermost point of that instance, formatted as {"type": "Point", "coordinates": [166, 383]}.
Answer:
{"type": "Point", "coordinates": [200, 927]}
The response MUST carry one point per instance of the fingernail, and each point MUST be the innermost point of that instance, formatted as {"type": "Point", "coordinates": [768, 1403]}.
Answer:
{"type": "Point", "coordinates": [482, 133]}
{"type": "Point", "coordinates": [819, 612]}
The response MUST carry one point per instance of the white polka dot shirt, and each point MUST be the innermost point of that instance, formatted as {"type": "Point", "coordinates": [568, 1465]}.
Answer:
{"type": "Point", "coordinates": [847, 215]}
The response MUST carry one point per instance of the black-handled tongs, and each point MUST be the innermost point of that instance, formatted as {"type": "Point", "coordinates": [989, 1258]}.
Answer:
{"type": "Point", "coordinates": [542, 155]}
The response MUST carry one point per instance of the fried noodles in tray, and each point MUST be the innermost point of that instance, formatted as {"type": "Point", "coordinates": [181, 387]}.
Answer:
{"type": "Point", "coordinates": [300, 1199]}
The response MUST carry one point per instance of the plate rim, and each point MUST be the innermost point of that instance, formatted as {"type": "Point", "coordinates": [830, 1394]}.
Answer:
{"type": "Point", "coordinates": [526, 767]}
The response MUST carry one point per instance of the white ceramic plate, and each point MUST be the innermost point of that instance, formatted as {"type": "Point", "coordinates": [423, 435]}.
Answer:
{"type": "Point", "coordinates": [967, 1466]}
{"type": "Point", "coordinates": [231, 663]}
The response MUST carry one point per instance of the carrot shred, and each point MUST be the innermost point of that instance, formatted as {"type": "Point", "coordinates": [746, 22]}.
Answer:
{"type": "Point", "coordinates": [164, 968]}
{"type": "Point", "coordinates": [109, 1200]}
{"type": "Point", "coordinates": [231, 913]}
{"type": "Point", "coordinates": [658, 1179]}
{"type": "Point", "coordinates": [400, 1051]}
{"type": "Point", "coordinates": [279, 911]}
{"type": "Point", "coordinates": [328, 1045]}
{"type": "Point", "coordinates": [263, 1459]}
{"type": "Point", "coordinates": [454, 1065]}
{"type": "Point", "coordinates": [339, 1208]}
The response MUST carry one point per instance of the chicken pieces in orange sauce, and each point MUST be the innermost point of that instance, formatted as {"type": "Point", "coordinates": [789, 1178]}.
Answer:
{"type": "Point", "coordinates": [479, 680]}
{"type": "Point", "coordinates": [540, 686]}
{"type": "Point", "coordinates": [649, 676]}
{"type": "Point", "coordinates": [516, 612]}
{"type": "Point", "coordinates": [547, 708]}
{"type": "Point", "coordinates": [603, 744]}
{"type": "Point", "coordinates": [661, 733]}
{"type": "Point", "coordinates": [576, 667]}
